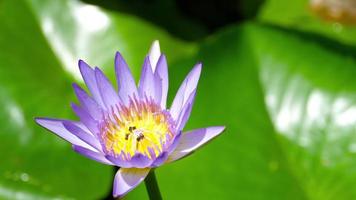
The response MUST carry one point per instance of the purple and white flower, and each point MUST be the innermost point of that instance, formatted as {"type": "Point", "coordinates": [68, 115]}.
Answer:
{"type": "Point", "coordinates": [132, 128]}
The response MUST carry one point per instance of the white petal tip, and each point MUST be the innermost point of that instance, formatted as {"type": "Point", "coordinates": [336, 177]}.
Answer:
{"type": "Point", "coordinates": [155, 45]}
{"type": "Point", "coordinates": [220, 129]}
{"type": "Point", "coordinates": [199, 66]}
{"type": "Point", "coordinates": [45, 122]}
{"type": "Point", "coordinates": [154, 54]}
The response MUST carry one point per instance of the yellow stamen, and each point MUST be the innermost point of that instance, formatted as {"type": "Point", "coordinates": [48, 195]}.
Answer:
{"type": "Point", "coordinates": [142, 127]}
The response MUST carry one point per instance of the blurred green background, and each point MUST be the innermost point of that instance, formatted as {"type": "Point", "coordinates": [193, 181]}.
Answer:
{"type": "Point", "coordinates": [279, 74]}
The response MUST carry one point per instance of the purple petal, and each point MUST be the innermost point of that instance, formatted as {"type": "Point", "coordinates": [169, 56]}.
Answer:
{"type": "Point", "coordinates": [107, 92]}
{"type": "Point", "coordinates": [137, 161]}
{"type": "Point", "coordinates": [175, 143]}
{"type": "Point", "coordinates": [90, 80]}
{"type": "Point", "coordinates": [158, 90]}
{"type": "Point", "coordinates": [185, 112]}
{"type": "Point", "coordinates": [86, 119]}
{"type": "Point", "coordinates": [140, 161]}
{"type": "Point", "coordinates": [192, 140]}
{"type": "Point", "coordinates": [147, 85]}
{"type": "Point", "coordinates": [161, 73]}
{"type": "Point", "coordinates": [128, 179]}
{"type": "Point", "coordinates": [126, 83]}
{"type": "Point", "coordinates": [187, 87]}
{"type": "Point", "coordinates": [160, 160]}
{"type": "Point", "coordinates": [56, 126]}
{"type": "Point", "coordinates": [97, 156]}
{"type": "Point", "coordinates": [118, 161]}
{"type": "Point", "coordinates": [83, 135]}
{"type": "Point", "coordinates": [87, 102]}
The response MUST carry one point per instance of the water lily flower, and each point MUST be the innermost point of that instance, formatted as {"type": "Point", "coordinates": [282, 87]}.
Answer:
{"type": "Point", "coordinates": [132, 128]}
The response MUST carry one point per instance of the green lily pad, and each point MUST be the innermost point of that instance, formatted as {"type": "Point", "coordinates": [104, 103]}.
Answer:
{"type": "Point", "coordinates": [289, 107]}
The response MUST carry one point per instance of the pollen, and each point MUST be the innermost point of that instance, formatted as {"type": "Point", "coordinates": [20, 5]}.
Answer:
{"type": "Point", "coordinates": [142, 127]}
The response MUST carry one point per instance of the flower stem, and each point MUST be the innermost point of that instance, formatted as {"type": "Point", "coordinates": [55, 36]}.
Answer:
{"type": "Point", "coordinates": [152, 186]}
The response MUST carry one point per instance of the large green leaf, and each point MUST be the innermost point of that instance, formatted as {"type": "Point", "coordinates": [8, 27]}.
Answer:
{"type": "Point", "coordinates": [289, 106]}
{"type": "Point", "coordinates": [310, 94]}
{"type": "Point", "coordinates": [297, 14]}
{"type": "Point", "coordinates": [41, 42]}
